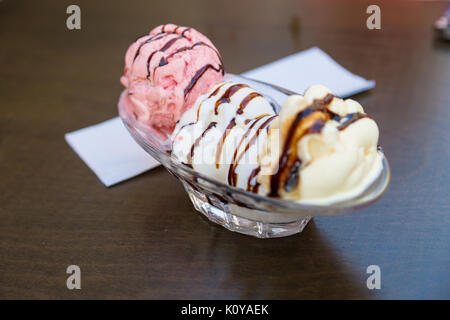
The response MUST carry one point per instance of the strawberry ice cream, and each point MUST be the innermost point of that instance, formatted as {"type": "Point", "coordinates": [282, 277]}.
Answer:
{"type": "Point", "coordinates": [165, 72]}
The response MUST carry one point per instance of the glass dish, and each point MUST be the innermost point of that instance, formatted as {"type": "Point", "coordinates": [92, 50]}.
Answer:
{"type": "Point", "coordinates": [237, 209]}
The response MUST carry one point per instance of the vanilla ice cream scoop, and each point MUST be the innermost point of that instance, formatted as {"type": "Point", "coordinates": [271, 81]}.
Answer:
{"type": "Point", "coordinates": [327, 151]}
{"type": "Point", "coordinates": [222, 134]}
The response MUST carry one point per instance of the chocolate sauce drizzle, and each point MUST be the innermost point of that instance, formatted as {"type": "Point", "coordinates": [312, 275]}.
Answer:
{"type": "Point", "coordinates": [150, 39]}
{"type": "Point", "coordinates": [198, 111]}
{"type": "Point", "coordinates": [232, 175]}
{"type": "Point", "coordinates": [351, 118]}
{"type": "Point", "coordinates": [185, 30]}
{"type": "Point", "coordinates": [197, 141]}
{"type": "Point", "coordinates": [198, 75]}
{"type": "Point", "coordinates": [292, 177]}
{"type": "Point", "coordinates": [230, 126]}
{"type": "Point", "coordinates": [287, 175]}
{"type": "Point", "coordinates": [165, 60]}
{"type": "Point", "coordinates": [166, 46]}
{"type": "Point", "coordinates": [246, 101]}
{"type": "Point", "coordinates": [215, 91]}
{"type": "Point", "coordinates": [226, 99]}
{"type": "Point", "coordinates": [252, 183]}
{"type": "Point", "coordinates": [226, 96]}
{"type": "Point", "coordinates": [184, 126]}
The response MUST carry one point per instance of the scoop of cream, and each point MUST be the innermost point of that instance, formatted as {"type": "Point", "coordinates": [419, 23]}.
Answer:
{"type": "Point", "coordinates": [327, 150]}
{"type": "Point", "coordinates": [164, 74]}
{"type": "Point", "coordinates": [222, 134]}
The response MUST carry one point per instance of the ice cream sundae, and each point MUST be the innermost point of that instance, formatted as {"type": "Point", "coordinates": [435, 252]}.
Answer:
{"type": "Point", "coordinates": [317, 148]}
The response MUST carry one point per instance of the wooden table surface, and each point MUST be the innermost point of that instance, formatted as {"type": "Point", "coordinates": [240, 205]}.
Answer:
{"type": "Point", "coordinates": [142, 238]}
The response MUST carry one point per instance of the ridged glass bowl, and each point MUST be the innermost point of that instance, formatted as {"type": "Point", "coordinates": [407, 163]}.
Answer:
{"type": "Point", "coordinates": [237, 209]}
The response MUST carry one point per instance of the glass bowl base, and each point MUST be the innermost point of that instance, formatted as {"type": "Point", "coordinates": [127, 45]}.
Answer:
{"type": "Point", "coordinates": [220, 213]}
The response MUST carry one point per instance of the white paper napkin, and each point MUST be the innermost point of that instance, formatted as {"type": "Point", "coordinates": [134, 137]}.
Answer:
{"type": "Point", "coordinates": [301, 70]}
{"type": "Point", "coordinates": [109, 150]}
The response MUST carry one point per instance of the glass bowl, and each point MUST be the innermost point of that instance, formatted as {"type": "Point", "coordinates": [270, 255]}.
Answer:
{"type": "Point", "coordinates": [237, 209]}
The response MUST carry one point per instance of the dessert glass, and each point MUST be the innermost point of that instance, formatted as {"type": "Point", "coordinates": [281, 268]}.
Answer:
{"type": "Point", "coordinates": [237, 209]}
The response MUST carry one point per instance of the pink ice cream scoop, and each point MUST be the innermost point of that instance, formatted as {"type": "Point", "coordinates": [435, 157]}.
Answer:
{"type": "Point", "coordinates": [165, 72]}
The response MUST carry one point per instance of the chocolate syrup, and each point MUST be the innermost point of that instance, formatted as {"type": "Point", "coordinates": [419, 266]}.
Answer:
{"type": "Point", "coordinates": [215, 91]}
{"type": "Point", "coordinates": [163, 34]}
{"type": "Point", "coordinates": [316, 127]}
{"type": "Point", "coordinates": [185, 30]}
{"type": "Point", "coordinates": [292, 178]}
{"type": "Point", "coordinates": [230, 126]}
{"type": "Point", "coordinates": [166, 46]}
{"type": "Point", "coordinates": [188, 48]}
{"type": "Point", "coordinates": [150, 39]}
{"type": "Point", "coordinates": [230, 170]}
{"type": "Point", "coordinates": [252, 183]}
{"type": "Point", "coordinates": [165, 60]}
{"type": "Point", "coordinates": [170, 43]}
{"type": "Point", "coordinates": [235, 163]}
{"type": "Point", "coordinates": [182, 127]}
{"type": "Point", "coordinates": [226, 96]}
{"type": "Point", "coordinates": [198, 75]}
{"type": "Point", "coordinates": [197, 141]}
{"type": "Point", "coordinates": [351, 118]}
{"type": "Point", "coordinates": [246, 101]}
{"type": "Point", "coordinates": [289, 163]}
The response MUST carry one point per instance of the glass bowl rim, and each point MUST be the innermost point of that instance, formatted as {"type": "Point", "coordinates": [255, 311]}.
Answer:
{"type": "Point", "coordinates": [348, 205]}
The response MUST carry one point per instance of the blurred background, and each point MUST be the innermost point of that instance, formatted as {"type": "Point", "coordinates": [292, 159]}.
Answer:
{"type": "Point", "coordinates": [37, 45]}
{"type": "Point", "coordinates": [142, 239]}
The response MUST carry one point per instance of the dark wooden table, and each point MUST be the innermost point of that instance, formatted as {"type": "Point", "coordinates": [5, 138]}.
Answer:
{"type": "Point", "coordinates": [142, 238]}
